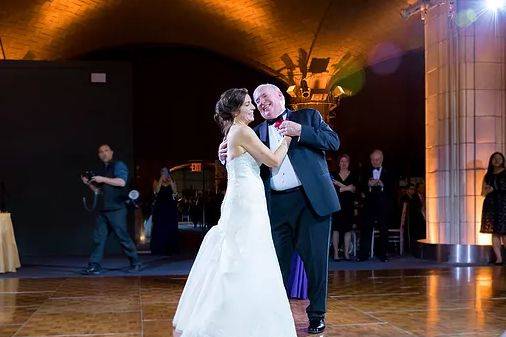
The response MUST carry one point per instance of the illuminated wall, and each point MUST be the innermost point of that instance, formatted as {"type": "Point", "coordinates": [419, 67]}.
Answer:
{"type": "Point", "coordinates": [465, 115]}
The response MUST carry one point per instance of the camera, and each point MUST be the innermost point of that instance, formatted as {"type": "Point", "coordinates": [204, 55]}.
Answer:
{"type": "Point", "coordinates": [88, 174]}
{"type": "Point", "coordinates": [133, 200]}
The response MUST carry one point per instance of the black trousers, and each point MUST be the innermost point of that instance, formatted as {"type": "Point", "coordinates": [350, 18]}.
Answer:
{"type": "Point", "coordinates": [375, 218]}
{"type": "Point", "coordinates": [116, 222]}
{"type": "Point", "coordinates": [295, 227]}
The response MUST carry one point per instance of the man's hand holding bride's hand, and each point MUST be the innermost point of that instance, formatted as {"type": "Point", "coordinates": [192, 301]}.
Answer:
{"type": "Point", "coordinates": [222, 152]}
{"type": "Point", "coordinates": [289, 128]}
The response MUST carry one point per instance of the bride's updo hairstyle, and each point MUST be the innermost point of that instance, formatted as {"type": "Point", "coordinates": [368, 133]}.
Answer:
{"type": "Point", "coordinates": [227, 107]}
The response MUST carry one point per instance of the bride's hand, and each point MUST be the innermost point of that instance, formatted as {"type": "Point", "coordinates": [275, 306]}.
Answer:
{"type": "Point", "coordinates": [222, 151]}
{"type": "Point", "coordinates": [287, 140]}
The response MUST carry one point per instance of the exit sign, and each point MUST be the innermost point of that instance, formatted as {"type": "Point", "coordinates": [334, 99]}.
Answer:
{"type": "Point", "coordinates": [196, 167]}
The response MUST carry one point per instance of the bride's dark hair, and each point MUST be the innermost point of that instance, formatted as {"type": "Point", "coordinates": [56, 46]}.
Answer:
{"type": "Point", "coordinates": [230, 101]}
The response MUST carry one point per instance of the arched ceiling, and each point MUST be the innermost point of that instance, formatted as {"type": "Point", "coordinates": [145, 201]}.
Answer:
{"type": "Point", "coordinates": [257, 32]}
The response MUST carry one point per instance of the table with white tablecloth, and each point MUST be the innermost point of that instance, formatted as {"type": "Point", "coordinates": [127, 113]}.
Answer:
{"type": "Point", "coordinates": [9, 257]}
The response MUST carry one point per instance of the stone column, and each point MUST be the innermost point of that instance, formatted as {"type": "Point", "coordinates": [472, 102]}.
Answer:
{"type": "Point", "coordinates": [465, 115]}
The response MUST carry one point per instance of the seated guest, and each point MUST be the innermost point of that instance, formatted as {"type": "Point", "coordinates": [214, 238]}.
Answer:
{"type": "Point", "coordinates": [378, 191]}
{"type": "Point", "coordinates": [164, 235]}
{"type": "Point", "coordinates": [420, 193]}
{"type": "Point", "coordinates": [342, 221]}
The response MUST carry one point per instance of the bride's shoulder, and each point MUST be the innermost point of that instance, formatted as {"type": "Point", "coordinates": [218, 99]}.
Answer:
{"type": "Point", "coordinates": [240, 131]}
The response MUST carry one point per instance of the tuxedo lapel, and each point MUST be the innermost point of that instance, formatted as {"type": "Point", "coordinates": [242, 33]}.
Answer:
{"type": "Point", "coordinates": [383, 174]}
{"type": "Point", "coordinates": [263, 133]}
{"type": "Point", "coordinates": [385, 177]}
{"type": "Point", "coordinates": [290, 116]}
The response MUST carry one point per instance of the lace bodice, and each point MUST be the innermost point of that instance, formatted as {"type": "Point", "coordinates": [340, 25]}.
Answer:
{"type": "Point", "coordinates": [243, 166]}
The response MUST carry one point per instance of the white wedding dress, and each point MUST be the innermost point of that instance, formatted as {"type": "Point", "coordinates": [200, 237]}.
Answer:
{"type": "Point", "coordinates": [235, 286]}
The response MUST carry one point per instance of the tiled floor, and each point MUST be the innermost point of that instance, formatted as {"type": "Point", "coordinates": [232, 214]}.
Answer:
{"type": "Point", "coordinates": [459, 301]}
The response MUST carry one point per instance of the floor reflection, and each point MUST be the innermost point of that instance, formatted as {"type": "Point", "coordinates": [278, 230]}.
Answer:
{"type": "Point", "coordinates": [461, 301]}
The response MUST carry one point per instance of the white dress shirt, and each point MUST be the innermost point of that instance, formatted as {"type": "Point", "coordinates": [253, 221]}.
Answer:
{"type": "Point", "coordinates": [284, 176]}
{"type": "Point", "coordinates": [376, 173]}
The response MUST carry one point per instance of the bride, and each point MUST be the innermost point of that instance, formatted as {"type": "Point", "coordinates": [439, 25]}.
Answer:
{"type": "Point", "coordinates": [235, 286]}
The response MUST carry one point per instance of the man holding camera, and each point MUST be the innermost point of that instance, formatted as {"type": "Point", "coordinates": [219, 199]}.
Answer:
{"type": "Point", "coordinates": [109, 186]}
{"type": "Point", "coordinates": [378, 188]}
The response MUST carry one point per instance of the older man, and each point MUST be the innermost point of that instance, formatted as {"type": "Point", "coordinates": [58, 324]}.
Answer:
{"type": "Point", "coordinates": [378, 190]}
{"type": "Point", "coordinates": [299, 193]}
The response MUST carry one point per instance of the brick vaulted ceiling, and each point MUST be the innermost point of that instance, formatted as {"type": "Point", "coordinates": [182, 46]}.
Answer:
{"type": "Point", "coordinates": [257, 32]}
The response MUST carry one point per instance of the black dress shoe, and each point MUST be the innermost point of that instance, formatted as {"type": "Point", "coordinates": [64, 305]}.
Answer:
{"type": "Point", "coordinates": [134, 269]}
{"type": "Point", "coordinates": [92, 269]}
{"type": "Point", "coordinates": [384, 259]}
{"type": "Point", "coordinates": [316, 325]}
{"type": "Point", "coordinates": [361, 259]}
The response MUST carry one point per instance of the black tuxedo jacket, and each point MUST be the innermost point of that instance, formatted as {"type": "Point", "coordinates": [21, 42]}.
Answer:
{"type": "Point", "coordinates": [307, 156]}
{"type": "Point", "coordinates": [375, 196]}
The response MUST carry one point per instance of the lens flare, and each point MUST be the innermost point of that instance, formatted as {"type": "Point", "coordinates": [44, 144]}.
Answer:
{"type": "Point", "coordinates": [385, 58]}
{"type": "Point", "coordinates": [466, 17]}
{"type": "Point", "coordinates": [495, 5]}
{"type": "Point", "coordinates": [354, 81]}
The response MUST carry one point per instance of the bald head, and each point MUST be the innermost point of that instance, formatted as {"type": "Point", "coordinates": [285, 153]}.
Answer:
{"type": "Point", "coordinates": [269, 100]}
{"type": "Point", "coordinates": [377, 158]}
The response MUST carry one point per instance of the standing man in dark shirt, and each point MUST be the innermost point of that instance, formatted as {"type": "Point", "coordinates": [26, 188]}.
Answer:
{"type": "Point", "coordinates": [378, 190]}
{"type": "Point", "coordinates": [111, 215]}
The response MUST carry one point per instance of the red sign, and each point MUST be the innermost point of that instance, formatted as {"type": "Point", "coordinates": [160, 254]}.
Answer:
{"type": "Point", "coordinates": [196, 167]}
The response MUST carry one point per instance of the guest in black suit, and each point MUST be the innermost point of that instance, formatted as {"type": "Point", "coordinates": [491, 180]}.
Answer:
{"type": "Point", "coordinates": [378, 190]}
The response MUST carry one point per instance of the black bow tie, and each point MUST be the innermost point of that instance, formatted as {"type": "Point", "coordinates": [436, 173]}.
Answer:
{"type": "Point", "coordinates": [376, 168]}
{"type": "Point", "coordinates": [274, 120]}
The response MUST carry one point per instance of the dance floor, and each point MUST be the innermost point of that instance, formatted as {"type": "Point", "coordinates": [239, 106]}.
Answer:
{"type": "Point", "coordinates": [458, 301]}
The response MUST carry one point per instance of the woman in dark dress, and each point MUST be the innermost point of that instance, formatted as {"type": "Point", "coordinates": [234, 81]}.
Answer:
{"type": "Point", "coordinates": [164, 235]}
{"type": "Point", "coordinates": [342, 221]}
{"type": "Point", "coordinates": [493, 216]}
